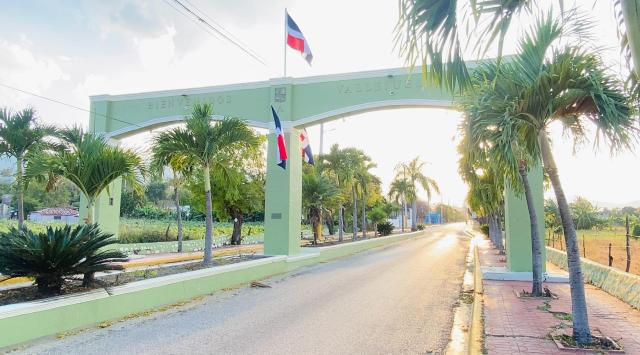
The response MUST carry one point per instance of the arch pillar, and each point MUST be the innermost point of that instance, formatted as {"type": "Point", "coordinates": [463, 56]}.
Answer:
{"type": "Point", "coordinates": [518, 227]}
{"type": "Point", "coordinates": [283, 195]}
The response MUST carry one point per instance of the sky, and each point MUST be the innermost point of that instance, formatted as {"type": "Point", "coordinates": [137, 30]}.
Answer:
{"type": "Point", "coordinates": [71, 49]}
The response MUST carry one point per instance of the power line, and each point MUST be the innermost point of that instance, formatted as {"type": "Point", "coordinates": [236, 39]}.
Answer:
{"type": "Point", "coordinates": [66, 104]}
{"type": "Point", "coordinates": [221, 31]}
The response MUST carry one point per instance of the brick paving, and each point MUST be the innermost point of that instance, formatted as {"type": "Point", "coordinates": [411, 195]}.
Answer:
{"type": "Point", "coordinates": [518, 326]}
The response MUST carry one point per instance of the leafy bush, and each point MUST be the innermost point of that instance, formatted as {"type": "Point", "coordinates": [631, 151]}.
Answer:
{"type": "Point", "coordinates": [420, 227]}
{"type": "Point", "coordinates": [150, 212]}
{"type": "Point", "coordinates": [150, 231]}
{"type": "Point", "coordinates": [636, 230]}
{"type": "Point", "coordinates": [385, 228]}
{"type": "Point", "coordinates": [59, 252]}
{"type": "Point", "coordinates": [484, 228]}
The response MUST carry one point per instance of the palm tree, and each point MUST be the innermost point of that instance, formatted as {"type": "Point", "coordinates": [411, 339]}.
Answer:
{"type": "Point", "coordinates": [21, 136]}
{"type": "Point", "coordinates": [427, 32]}
{"type": "Point", "coordinates": [181, 168]}
{"type": "Point", "coordinates": [486, 184]}
{"type": "Point", "coordinates": [569, 86]}
{"type": "Point", "coordinates": [91, 163]}
{"type": "Point", "coordinates": [318, 191]}
{"type": "Point", "coordinates": [343, 165]}
{"type": "Point", "coordinates": [413, 171]}
{"type": "Point", "coordinates": [201, 141]}
{"type": "Point", "coordinates": [365, 181]}
{"type": "Point", "coordinates": [401, 191]}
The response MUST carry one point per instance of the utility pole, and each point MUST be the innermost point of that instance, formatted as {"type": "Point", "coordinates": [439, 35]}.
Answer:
{"type": "Point", "coordinates": [321, 137]}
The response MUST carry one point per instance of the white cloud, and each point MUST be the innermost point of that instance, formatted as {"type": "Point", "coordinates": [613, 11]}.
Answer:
{"type": "Point", "coordinates": [21, 67]}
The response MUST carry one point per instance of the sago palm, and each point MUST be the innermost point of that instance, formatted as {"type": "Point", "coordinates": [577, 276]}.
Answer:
{"type": "Point", "coordinates": [21, 136]}
{"type": "Point", "coordinates": [57, 253]}
{"type": "Point", "coordinates": [201, 141]}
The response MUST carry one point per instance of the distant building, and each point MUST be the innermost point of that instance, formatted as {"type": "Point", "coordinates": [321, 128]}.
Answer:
{"type": "Point", "coordinates": [396, 218]}
{"type": "Point", "coordinates": [61, 214]}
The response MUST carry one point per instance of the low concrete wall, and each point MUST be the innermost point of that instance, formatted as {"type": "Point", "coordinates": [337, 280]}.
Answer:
{"type": "Point", "coordinates": [31, 320]}
{"type": "Point", "coordinates": [620, 284]}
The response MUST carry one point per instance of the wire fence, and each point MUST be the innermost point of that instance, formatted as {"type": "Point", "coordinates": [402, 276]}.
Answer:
{"type": "Point", "coordinates": [614, 249]}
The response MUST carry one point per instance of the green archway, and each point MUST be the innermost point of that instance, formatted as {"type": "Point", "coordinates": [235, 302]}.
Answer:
{"type": "Point", "coordinates": [300, 102]}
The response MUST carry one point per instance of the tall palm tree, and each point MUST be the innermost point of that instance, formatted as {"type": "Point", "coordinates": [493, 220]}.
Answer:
{"type": "Point", "coordinates": [181, 168]}
{"type": "Point", "coordinates": [401, 191]}
{"type": "Point", "coordinates": [21, 136]}
{"type": "Point", "coordinates": [201, 141]}
{"type": "Point", "coordinates": [342, 165]}
{"type": "Point", "coordinates": [413, 171]}
{"type": "Point", "coordinates": [318, 191]}
{"type": "Point", "coordinates": [571, 86]}
{"type": "Point", "coordinates": [366, 181]}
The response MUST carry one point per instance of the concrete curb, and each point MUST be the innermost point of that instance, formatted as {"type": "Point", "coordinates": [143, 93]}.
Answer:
{"type": "Point", "coordinates": [476, 330]}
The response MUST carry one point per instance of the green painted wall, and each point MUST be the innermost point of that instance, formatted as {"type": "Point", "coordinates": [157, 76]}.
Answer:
{"type": "Point", "coordinates": [517, 224]}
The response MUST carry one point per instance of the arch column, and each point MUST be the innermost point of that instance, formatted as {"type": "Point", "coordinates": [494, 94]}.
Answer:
{"type": "Point", "coordinates": [517, 224]}
{"type": "Point", "coordinates": [107, 205]}
{"type": "Point", "coordinates": [283, 195]}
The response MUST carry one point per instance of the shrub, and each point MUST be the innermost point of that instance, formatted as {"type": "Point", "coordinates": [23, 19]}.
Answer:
{"type": "Point", "coordinates": [420, 227]}
{"type": "Point", "coordinates": [385, 228]}
{"type": "Point", "coordinates": [56, 253]}
{"type": "Point", "coordinates": [636, 230]}
{"type": "Point", "coordinates": [484, 228]}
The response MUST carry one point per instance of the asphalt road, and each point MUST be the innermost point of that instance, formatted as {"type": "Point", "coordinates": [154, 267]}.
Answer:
{"type": "Point", "coordinates": [393, 300]}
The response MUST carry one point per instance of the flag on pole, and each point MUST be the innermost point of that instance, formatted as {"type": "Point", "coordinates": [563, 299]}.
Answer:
{"type": "Point", "coordinates": [296, 40]}
{"type": "Point", "coordinates": [281, 153]}
{"type": "Point", "coordinates": [306, 147]}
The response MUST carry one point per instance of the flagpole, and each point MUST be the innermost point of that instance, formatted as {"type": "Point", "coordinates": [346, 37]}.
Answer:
{"type": "Point", "coordinates": [285, 42]}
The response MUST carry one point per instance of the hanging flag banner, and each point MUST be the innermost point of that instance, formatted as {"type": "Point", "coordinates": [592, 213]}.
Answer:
{"type": "Point", "coordinates": [281, 152]}
{"type": "Point", "coordinates": [296, 40]}
{"type": "Point", "coordinates": [306, 147]}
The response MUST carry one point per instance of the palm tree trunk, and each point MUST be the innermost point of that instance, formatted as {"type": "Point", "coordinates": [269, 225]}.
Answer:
{"type": "Point", "coordinates": [329, 222]}
{"type": "Point", "coordinates": [354, 200]}
{"type": "Point", "coordinates": [20, 192]}
{"type": "Point", "coordinates": [493, 229]}
{"type": "Point", "coordinates": [236, 235]}
{"type": "Point", "coordinates": [429, 209]}
{"type": "Point", "coordinates": [364, 215]}
{"type": "Point", "coordinates": [499, 243]}
{"type": "Point", "coordinates": [631, 15]}
{"type": "Point", "coordinates": [208, 233]}
{"type": "Point", "coordinates": [176, 198]}
{"type": "Point", "coordinates": [414, 215]}
{"type": "Point", "coordinates": [402, 215]}
{"type": "Point", "coordinates": [89, 278]}
{"type": "Point", "coordinates": [91, 210]}
{"type": "Point", "coordinates": [581, 331]}
{"type": "Point", "coordinates": [340, 223]}
{"type": "Point", "coordinates": [536, 252]}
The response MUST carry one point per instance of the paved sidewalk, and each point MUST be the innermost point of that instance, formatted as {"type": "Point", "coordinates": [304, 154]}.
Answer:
{"type": "Point", "coordinates": [519, 326]}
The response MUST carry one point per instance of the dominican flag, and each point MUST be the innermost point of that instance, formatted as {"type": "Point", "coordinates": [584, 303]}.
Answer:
{"type": "Point", "coordinates": [282, 149]}
{"type": "Point", "coordinates": [296, 40]}
{"type": "Point", "coordinates": [306, 147]}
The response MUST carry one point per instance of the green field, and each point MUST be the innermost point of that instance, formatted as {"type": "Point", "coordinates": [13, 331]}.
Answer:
{"type": "Point", "coordinates": [594, 245]}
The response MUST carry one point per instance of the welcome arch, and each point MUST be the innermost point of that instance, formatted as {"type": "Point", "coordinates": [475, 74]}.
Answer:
{"type": "Point", "coordinates": [299, 102]}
